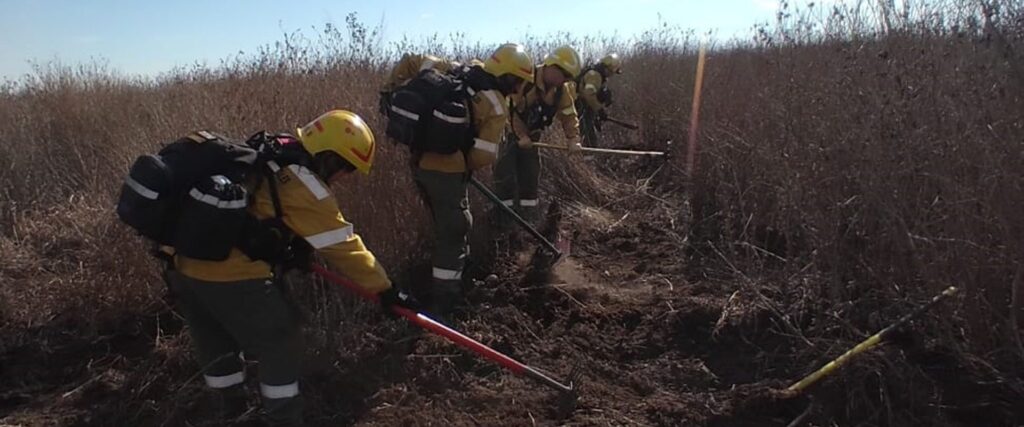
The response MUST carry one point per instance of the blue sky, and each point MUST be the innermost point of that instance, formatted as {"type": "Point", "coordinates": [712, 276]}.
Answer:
{"type": "Point", "coordinates": [147, 37]}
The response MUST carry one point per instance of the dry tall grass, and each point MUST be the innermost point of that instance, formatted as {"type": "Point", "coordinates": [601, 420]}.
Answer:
{"type": "Point", "coordinates": [879, 147]}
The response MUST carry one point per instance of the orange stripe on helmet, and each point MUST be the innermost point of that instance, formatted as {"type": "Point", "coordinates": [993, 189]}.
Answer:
{"type": "Point", "coordinates": [364, 157]}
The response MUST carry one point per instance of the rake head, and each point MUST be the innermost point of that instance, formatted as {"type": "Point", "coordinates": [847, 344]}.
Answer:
{"type": "Point", "coordinates": [567, 399]}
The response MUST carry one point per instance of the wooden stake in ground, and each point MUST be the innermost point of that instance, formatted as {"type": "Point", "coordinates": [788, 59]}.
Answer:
{"type": "Point", "coordinates": [692, 149]}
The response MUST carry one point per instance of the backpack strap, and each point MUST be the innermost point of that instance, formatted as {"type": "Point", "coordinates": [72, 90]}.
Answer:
{"type": "Point", "coordinates": [467, 95]}
{"type": "Point", "coordinates": [273, 156]}
{"type": "Point", "coordinates": [474, 80]}
{"type": "Point", "coordinates": [271, 174]}
{"type": "Point", "coordinates": [202, 136]}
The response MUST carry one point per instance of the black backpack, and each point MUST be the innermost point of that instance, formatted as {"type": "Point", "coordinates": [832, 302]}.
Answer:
{"type": "Point", "coordinates": [433, 112]}
{"type": "Point", "coordinates": [194, 195]}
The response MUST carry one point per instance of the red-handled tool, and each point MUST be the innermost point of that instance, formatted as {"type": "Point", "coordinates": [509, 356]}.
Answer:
{"type": "Point", "coordinates": [568, 392]}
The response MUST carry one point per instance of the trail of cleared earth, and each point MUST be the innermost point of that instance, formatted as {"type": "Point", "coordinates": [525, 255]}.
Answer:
{"type": "Point", "coordinates": [655, 349]}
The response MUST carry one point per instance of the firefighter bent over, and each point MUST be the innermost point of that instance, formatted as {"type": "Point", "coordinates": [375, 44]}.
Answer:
{"type": "Point", "coordinates": [443, 178]}
{"type": "Point", "coordinates": [232, 303]}
{"type": "Point", "coordinates": [549, 97]}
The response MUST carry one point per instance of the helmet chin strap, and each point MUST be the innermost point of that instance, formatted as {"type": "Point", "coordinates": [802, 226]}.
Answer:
{"type": "Point", "coordinates": [326, 165]}
{"type": "Point", "coordinates": [508, 84]}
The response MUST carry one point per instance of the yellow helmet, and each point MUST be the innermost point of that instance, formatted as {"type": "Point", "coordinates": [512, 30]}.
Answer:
{"type": "Point", "coordinates": [566, 58]}
{"type": "Point", "coordinates": [612, 63]}
{"type": "Point", "coordinates": [510, 58]}
{"type": "Point", "coordinates": [342, 132]}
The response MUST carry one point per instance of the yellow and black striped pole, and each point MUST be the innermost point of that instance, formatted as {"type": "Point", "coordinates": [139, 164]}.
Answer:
{"type": "Point", "coordinates": [866, 345]}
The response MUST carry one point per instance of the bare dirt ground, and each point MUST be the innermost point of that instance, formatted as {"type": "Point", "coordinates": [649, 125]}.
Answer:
{"type": "Point", "coordinates": [658, 341]}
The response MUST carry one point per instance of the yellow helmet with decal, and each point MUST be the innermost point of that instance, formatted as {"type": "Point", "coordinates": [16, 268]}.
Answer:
{"type": "Point", "coordinates": [510, 58]}
{"type": "Point", "coordinates": [344, 133]}
{"type": "Point", "coordinates": [567, 59]}
{"type": "Point", "coordinates": [612, 63]}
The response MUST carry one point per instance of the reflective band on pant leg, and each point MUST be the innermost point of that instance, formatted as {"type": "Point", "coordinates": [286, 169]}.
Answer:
{"type": "Point", "coordinates": [279, 391]}
{"type": "Point", "coordinates": [224, 381]}
{"type": "Point", "coordinates": [446, 274]}
{"type": "Point", "coordinates": [508, 203]}
{"type": "Point", "coordinates": [529, 202]}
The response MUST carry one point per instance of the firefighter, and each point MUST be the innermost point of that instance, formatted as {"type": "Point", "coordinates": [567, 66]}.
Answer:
{"type": "Point", "coordinates": [233, 307]}
{"type": "Point", "coordinates": [443, 178]}
{"type": "Point", "coordinates": [549, 98]}
{"type": "Point", "coordinates": [595, 96]}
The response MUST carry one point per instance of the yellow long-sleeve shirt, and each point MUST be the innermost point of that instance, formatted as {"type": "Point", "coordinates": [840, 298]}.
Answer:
{"type": "Point", "coordinates": [538, 93]}
{"type": "Point", "coordinates": [490, 114]}
{"type": "Point", "coordinates": [592, 83]}
{"type": "Point", "coordinates": [310, 211]}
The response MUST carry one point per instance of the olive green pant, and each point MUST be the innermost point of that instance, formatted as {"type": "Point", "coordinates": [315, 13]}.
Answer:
{"type": "Point", "coordinates": [227, 319]}
{"type": "Point", "coordinates": [517, 178]}
{"type": "Point", "coordinates": [446, 195]}
{"type": "Point", "coordinates": [588, 125]}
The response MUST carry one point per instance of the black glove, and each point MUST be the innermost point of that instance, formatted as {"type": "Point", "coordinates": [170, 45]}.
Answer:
{"type": "Point", "coordinates": [384, 105]}
{"type": "Point", "coordinates": [602, 115]}
{"type": "Point", "coordinates": [393, 297]}
{"type": "Point", "coordinates": [298, 255]}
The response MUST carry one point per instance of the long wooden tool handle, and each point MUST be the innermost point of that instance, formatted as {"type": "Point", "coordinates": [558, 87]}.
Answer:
{"type": "Point", "coordinates": [602, 150]}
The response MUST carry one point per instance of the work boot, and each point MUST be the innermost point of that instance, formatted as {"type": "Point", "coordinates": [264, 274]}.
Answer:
{"type": "Point", "coordinates": [530, 214]}
{"type": "Point", "coordinates": [283, 412]}
{"type": "Point", "coordinates": [233, 402]}
{"type": "Point", "coordinates": [444, 298]}
{"type": "Point", "coordinates": [502, 222]}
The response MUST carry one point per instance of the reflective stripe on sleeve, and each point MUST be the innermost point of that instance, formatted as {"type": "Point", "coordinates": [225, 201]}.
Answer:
{"type": "Point", "coordinates": [446, 274]}
{"type": "Point", "coordinates": [332, 237]}
{"type": "Point", "coordinates": [279, 391]}
{"type": "Point", "coordinates": [485, 145]}
{"type": "Point", "coordinates": [224, 381]}
{"type": "Point", "coordinates": [142, 190]}
{"type": "Point", "coordinates": [310, 181]}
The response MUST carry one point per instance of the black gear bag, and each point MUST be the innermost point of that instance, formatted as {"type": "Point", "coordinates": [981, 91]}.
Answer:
{"type": "Point", "coordinates": [194, 195]}
{"type": "Point", "coordinates": [432, 113]}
